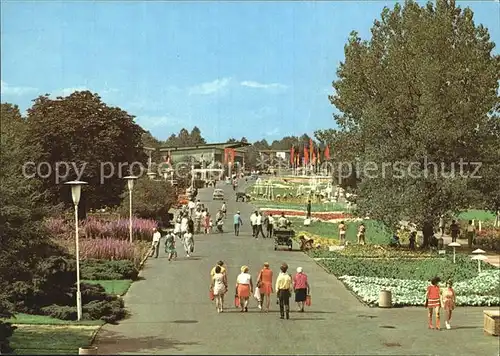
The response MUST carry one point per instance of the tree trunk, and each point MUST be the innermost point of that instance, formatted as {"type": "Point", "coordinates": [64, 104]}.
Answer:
{"type": "Point", "coordinates": [427, 231]}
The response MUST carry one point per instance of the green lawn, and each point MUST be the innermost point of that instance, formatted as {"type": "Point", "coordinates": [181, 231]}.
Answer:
{"type": "Point", "coordinates": [49, 340]}
{"type": "Point", "coordinates": [115, 286]}
{"type": "Point", "coordinates": [376, 232]}
{"type": "Point", "coordinates": [297, 206]}
{"type": "Point", "coordinates": [473, 214]}
{"type": "Point", "coordinates": [29, 319]}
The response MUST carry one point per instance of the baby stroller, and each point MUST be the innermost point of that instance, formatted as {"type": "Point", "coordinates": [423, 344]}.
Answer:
{"type": "Point", "coordinates": [220, 224]}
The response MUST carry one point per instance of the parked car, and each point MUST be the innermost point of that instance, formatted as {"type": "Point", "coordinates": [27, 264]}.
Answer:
{"type": "Point", "coordinates": [218, 194]}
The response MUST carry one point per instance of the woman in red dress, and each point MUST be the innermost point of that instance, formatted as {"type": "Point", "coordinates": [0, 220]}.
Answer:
{"type": "Point", "coordinates": [265, 284]}
{"type": "Point", "coordinates": [433, 301]}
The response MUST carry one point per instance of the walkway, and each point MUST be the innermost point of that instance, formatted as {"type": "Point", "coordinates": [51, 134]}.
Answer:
{"type": "Point", "coordinates": [171, 312]}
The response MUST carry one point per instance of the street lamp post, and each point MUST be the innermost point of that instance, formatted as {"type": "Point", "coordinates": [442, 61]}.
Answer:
{"type": "Point", "coordinates": [130, 183]}
{"type": "Point", "coordinates": [454, 245]}
{"type": "Point", "coordinates": [76, 191]}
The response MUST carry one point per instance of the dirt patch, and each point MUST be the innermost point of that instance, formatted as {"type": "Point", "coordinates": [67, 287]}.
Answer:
{"type": "Point", "coordinates": [112, 343]}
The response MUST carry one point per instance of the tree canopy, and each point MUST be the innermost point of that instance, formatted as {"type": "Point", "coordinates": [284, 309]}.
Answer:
{"type": "Point", "coordinates": [422, 90]}
{"type": "Point", "coordinates": [93, 136]}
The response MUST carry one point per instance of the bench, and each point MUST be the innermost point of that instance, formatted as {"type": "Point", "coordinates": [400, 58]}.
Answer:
{"type": "Point", "coordinates": [492, 322]}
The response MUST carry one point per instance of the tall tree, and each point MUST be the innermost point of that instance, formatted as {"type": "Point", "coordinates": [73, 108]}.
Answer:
{"type": "Point", "coordinates": [423, 89]}
{"type": "Point", "coordinates": [85, 132]}
{"type": "Point", "coordinates": [196, 138]}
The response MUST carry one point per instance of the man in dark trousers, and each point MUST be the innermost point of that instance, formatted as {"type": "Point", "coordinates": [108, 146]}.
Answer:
{"type": "Point", "coordinates": [454, 231]}
{"type": "Point", "coordinates": [308, 207]}
{"type": "Point", "coordinates": [284, 287]}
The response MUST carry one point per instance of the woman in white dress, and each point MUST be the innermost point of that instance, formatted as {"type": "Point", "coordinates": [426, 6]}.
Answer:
{"type": "Point", "coordinates": [219, 288]}
{"type": "Point", "coordinates": [188, 243]}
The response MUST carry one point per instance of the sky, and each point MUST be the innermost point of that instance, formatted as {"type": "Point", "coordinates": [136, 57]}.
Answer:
{"type": "Point", "coordinates": [234, 69]}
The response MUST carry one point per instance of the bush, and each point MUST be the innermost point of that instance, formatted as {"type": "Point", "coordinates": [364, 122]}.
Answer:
{"type": "Point", "coordinates": [109, 311]}
{"type": "Point", "coordinates": [108, 270]}
{"type": "Point", "coordinates": [6, 331]}
{"type": "Point", "coordinates": [94, 227]}
{"type": "Point", "coordinates": [152, 200]}
{"type": "Point", "coordinates": [489, 239]}
{"type": "Point", "coordinates": [108, 249]}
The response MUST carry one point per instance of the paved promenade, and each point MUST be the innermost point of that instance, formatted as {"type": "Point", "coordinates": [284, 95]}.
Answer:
{"type": "Point", "coordinates": [172, 314]}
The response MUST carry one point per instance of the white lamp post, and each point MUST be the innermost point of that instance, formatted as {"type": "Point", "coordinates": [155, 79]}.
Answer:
{"type": "Point", "coordinates": [76, 191]}
{"type": "Point", "coordinates": [130, 183]}
{"type": "Point", "coordinates": [454, 245]}
{"type": "Point", "coordinates": [479, 258]}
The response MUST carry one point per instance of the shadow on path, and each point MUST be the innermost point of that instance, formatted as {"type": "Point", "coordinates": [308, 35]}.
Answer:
{"type": "Point", "coordinates": [113, 343]}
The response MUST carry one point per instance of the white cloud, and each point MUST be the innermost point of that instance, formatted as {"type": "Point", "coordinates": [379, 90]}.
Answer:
{"type": "Point", "coordinates": [149, 122]}
{"type": "Point", "coordinates": [257, 85]}
{"type": "Point", "coordinates": [6, 89]}
{"type": "Point", "coordinates": [210, 87]}
{"type": "Point", "coordinates": [69, 91]}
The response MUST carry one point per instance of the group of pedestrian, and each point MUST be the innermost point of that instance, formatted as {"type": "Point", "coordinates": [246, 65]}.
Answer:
{"type": "Point", "coordinates": [361, 234]}
{"type": "Point", "coordinates": [284, 286]}
{"type": "Point", "coordinates": [436, 298]}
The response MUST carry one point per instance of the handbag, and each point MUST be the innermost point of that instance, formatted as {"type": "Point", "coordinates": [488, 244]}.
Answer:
{"type": "Point", "coordinates": [426, 302]}
{"type": "Point", "coordinates": [236, 301]}
{"type": "Point", "coordinates": [308, 300]}
{"type": "Point", "coordinates": [257, 294]}
{"type": "Point", "coordinates": [211, 294]}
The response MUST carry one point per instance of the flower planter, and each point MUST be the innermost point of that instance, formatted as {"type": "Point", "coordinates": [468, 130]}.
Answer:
{"type": "Point", "coordinates": [88, 350]}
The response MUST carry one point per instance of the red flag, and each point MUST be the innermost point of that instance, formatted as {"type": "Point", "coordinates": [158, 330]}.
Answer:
{"type": "Point", "coordinates": [327, 153]}
{"type": "Point", "coordinates": [292, 155]}
{"type": "Point", "coordinates": [306, 155]}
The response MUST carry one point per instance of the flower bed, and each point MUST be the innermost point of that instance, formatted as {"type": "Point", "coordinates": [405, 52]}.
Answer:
{"type": "Point", "coordinates": [327, 215]}
{"type": "Point", "coordinates": [481, 290]}
{"type": "Point", "coordinates": [489, 239]}
{"type": "Point", "coordinates": [142, 229]}
{"type": "Point", "coordinates": [366, 270]}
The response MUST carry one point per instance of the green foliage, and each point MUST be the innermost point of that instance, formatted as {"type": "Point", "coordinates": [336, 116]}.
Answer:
{"type": "Point", "coordinates": [422, 89]}
{"type": "Point", "coordinates": [6, 331]}
{"type": "Point", "coordinates": [373, 251]}
{"type": "Point", "coordinates": [412, 269]}
{"type": "Point", "coordinates": [151, 200]}
{"type": "Point", "coordinates": [108, 310]}
{"type": "Point", "coordinates": [50, 340]}
{"type": "Point", "coordinates": [87, 132]}
{"type": "Point", "coordinates": [185, 138]}
{"type": "Point", "coordinates": [113, 287]}
{"type": "Point", "coordinates": [108, 270]}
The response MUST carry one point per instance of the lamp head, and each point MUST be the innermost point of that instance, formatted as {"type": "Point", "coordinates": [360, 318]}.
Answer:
{"type": "Point", "coordinates": [76, 190]}
{"type": "Point", "coordinates": [130, 182]}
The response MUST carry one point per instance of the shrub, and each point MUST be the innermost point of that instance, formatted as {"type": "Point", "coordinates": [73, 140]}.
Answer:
{"type": "Point", "coordinates": [63, 312]}
{"type": "Point", "coordinates": [93, 227]}
{"type": "Point", "coordinates": [6, 331]}
{"type": "Point", "coordinates": [109, 311]}
{"type": "Point", "coordinates": [152, 200]}
{"type": "Point", "coordinates": [108, 270]}
{"type": "Point", "coordinates": [489, 239]}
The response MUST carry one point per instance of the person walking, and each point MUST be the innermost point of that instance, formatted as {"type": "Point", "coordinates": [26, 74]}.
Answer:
{"type": "Point", "coordinates": [156, 243]}
{"type": "Point", "coordinates": [284, 289]}
{"type": "Point", "coordinates": [270, 225]}
{"type": "Point", "coordinates": [244, 287]}
{"type": "Point", "coordinates": [454, 231]}
{"type": "Point", "coordinates": [191, 207]}
{"type": "Point", "coordinates": [342, 232]}
{"type": "Point", "coordinates": [223, 209]}
{"type": "Point", "coordinates": [221, 265]}
{"type": "Point", "coordinates": [188, 244]}
{"type": "Point", "coordinates": [237, 223]}
{"type": "Point", "coordinates": [433, 302]}
{"type": "Point", "coordinates": [442, 225]}
{"type": "Point", "coordinates": [301, 288]}
{"type": "Point", "coordinates": [449, 302]}
{"type": "Point", "coordinates": [218, 287]}
{"type": "Point", "coordinates": [253, 221]}
{"type": "Point", "coordinates": [362, 234]}
{"type": "Point", "coordinates": [308, 209]}
{"type": "Point", "coordinates": [265, 284]}
{"type": "Point", "coordinates": [198, 219]}
{"type": "Point", "coordinates": [471, 230]}
{"type": "Point", "coordinates": [184, 224]}
{"type": "Point", "coordinates": [206, 223]}
{"type": "Point", "coordinates": [170, 246]}
{"type": "Point", "coordinates": [258, 226]}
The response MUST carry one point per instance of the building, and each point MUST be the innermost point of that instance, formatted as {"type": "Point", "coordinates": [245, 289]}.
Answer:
{"type": "Point", "coordinates": [211, 155]}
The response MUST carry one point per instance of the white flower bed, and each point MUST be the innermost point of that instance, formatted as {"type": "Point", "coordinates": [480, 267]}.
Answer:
{"type": "Point", "coordinates": [412, 292]}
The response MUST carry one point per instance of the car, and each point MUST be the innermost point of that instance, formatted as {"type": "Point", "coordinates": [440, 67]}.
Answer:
{"type": "Point", "coordinates": [218, 194]}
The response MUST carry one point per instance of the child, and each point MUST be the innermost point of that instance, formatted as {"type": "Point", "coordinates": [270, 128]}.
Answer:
{"type": "Point", "coordinates": [433, 301]}
{"type": "Point", "coordinates": [448, 302]}
{"type": "Point", "coordinates": [210, 224]}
